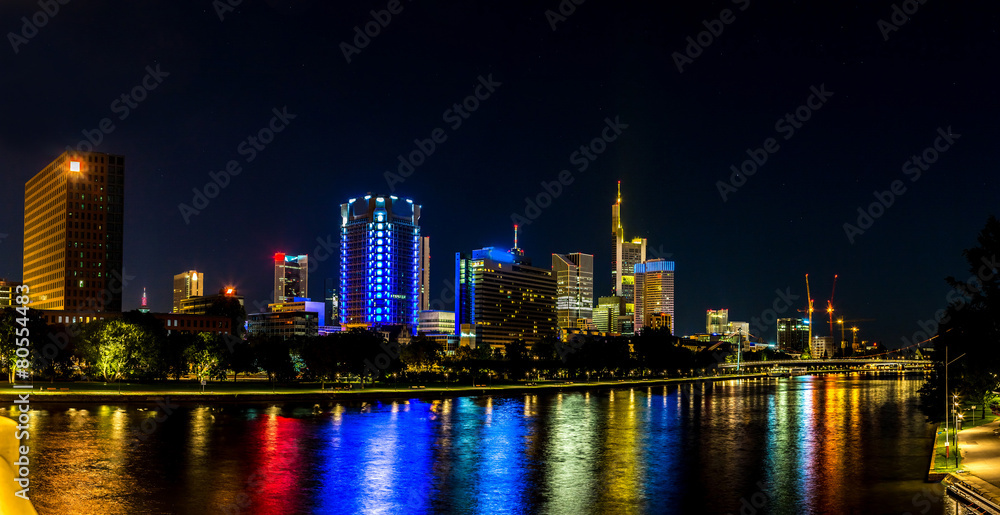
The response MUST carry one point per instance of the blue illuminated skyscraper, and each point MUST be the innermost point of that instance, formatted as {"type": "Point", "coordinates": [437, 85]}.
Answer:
{"type": "Point", "coordinates": [379, 262]}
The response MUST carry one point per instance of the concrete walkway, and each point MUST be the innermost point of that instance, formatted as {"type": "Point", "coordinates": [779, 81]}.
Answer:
{"type": "Point", "coordinates": [981, 453]}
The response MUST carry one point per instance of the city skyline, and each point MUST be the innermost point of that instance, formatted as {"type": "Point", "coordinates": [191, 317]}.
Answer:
{"type": "Point", "coordinates": [672, 136]}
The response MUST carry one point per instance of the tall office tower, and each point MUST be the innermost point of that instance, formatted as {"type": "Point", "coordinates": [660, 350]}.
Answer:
{"type": "Point", "coordinates": [654, 292]}
{"type": "Point", "coordinates": [73, 212]}
{"type": "Point", "coordinates": [626, 254]}
{"type": "Point", "coordinates": [574, 288]}
{"type": "Point", "coordinates": [186, 285]}
{"type": "Point", "coordinates": [793, 334]}
{"type": "Point", "coordinates": [379, 262]}
{"type": "Point", "coordinates": [501, 298]}
{"type": "Point", "coordinates": [291, 277]}
{"type": "Point", "coordinates": [332, 306]}
{"type": "Point", "coordinates": [607, 314]}
{"type": "Point", "coordinates": [717, 321]}
{"type": "Point", "coordinates": [425, 274]}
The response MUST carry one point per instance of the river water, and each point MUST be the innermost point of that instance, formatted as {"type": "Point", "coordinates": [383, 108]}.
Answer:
{"type": "Point", "coordinates": [840, 444]}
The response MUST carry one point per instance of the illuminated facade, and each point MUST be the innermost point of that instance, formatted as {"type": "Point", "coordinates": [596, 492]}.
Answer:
{"type": "Point", "coordinates": [284, 324]}
{"type": "Point", "coordinates": [332, 303]}
{"type": "Point", "coordinates": [8, 294]}
{"type": "Point", "coordinates": [574, 289]}
{"type": "Point", "coordinates": [380, 263]}
{"type": "Point", "coordinates": [500, 298]}
{"type": "Point", "coordinates": [627, 254]}
{"type": "Point", "coordinates": [607, 314]}
{"type": "Point", "coordinates": [186, 285]}
{"type": "Point", "coordinates": [822, 347]}
{"type": "Point", "coordinates": [717, 321]}
{"type": "Point", "coordinates": [436, 322]}
{"type": "Point", "coordinates": [291, 277]}
{"type": "Point", "coordinates": [73, 233]}
{"type": "Point", "coordinates": [793, 334]}
{"type": "Point", "coordinates": [654, 292]}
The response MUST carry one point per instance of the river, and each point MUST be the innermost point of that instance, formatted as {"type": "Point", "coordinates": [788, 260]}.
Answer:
{"type": "Point", "coordinates": [840, 444]}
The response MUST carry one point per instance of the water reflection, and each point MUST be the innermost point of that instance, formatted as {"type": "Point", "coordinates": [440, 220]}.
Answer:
{"type": "Point", "coordinates": [801, 445]}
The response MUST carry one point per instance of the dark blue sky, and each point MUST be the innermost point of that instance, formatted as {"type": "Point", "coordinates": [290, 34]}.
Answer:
{"type": "Point", "coordinates": [557, 87]}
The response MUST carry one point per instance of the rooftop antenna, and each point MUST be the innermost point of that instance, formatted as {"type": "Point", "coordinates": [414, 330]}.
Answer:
{"type": "Point", "coordinates": [515, 236]}
{"type": "Point", "coordinates": [619, 192]}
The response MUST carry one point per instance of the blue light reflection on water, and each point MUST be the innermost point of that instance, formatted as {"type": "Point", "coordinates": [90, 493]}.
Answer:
{"type": "Point", "coordinates": [801, 445]}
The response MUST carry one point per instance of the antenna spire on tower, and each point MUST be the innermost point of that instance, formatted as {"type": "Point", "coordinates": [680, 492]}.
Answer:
{"type": "Point", "coordinates": [619, 192]}
{"type": "Point", "coordinates": [515, 236]}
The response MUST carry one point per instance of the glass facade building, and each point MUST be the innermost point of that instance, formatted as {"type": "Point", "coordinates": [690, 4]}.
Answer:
{"type": "Point", "coordinates": [793, 334]}
{"type": "Point", "coordinates": [291, 277]}
{"type": "Point", "coordinates": [186, 285]}
{"type": "Point", "coordinates": [500, 298]}
{"type": "Point", "coordinates": [717, 321]}
{"type": "Point", "coordinates": [380, 265]}
{"type": "Point", "coordinates": [654, 292]}
{"type": "Point", "coordinates": [574, 288]}
{"type": "Point", "coordinates": [626, 254]}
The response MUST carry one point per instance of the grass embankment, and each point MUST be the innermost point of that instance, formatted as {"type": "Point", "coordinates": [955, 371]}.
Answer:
{"type": "Point", "coordinates": [944, 465]}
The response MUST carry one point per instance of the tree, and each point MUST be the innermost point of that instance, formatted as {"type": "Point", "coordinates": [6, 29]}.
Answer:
{"type": "Point", "coordinates": [15, 326]}
{"type": "Point", "coordinates": [970, 325]}
{"type": "Point", "coordinates": [116, 349]}
{"type": "Point", "coordinates": [205, 356]}
{"type": "Point", "coordinates": [273, 357]}
{"type": "Point", "coordinates": [422, 353]}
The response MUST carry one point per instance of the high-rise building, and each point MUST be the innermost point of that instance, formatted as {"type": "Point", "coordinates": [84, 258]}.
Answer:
{"type": "Point", "coordinates": [8, 294]}
{"type": "Point", "coordinates": [793, 334]}
{"type": "Point", "coordinates": [822, 347]}
{"type": "Point", "coordinates": [717, 321]}
{"type": "Point", "coordinates": [436, 322]}
{"type": "Point", "coordinates": [186, 285]}
{"type": "Point", "coordinates": [501, 298]}
{"type": "Point", "coordinates": [73, 233]}
{"type": "Point", "coordinates": [654, 292]}
{"type": "Point", "coordinates": [201, 304]}
{"type": "Point", "coordinates": [425, 274]}
{"type": "Point", "coordinates": [332, 304]}
{"type": "Point", "coordinates": [291, 277]}
{"type": "Point", "coordinates": [626, 255]}
{"type": "Point", "coordinates": [380, 262]}
{"type": "Point", "coordinates": [607, 314]}
{"type": "Point", "coordinates": [574, 288]}
{"type": "Point", "coordinates": [742, 328]}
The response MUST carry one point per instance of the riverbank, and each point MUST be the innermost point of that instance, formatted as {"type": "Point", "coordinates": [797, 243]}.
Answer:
{"type": "Point", "coordinates": [249, 394]}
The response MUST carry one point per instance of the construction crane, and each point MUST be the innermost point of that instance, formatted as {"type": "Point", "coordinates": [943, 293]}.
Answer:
{"type": "Point", "coordinates": [843, 323]}
{"type": "Point", "coordinates": [809, 313]}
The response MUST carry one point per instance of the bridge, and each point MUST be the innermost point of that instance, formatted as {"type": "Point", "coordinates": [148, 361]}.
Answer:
{"type": "Point", "coordinates": [835, 362]}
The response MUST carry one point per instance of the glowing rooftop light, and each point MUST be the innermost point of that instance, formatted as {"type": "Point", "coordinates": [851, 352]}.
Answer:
{"type": "Point", "coordinates": [74, 166]}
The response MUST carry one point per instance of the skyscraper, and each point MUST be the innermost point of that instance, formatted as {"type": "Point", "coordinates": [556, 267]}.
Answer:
{"type": "Point", "coordinates": [425, 274]}
{"type": "Point", "coordinates": [717, 321]}
{"type": "Point", "coordinates": [654, 292]}
{"type": "Point", "coordinates": [291, 277]}
{"type": "Point", "coordinates": [380, 262]}
{"type": "Point", "coordinates": [793, 334]}
{"type": "Point", "coordinates": [73, 232]}
{"type": "Point", "coordinates": [626, 255]}
{"type": "Point", "coordinates": [574, 275]}
{"type": "Point", "coordinates": [186, 285]}
{"type": "Point", "coordinates": [607, 314]}
{"type": "Point", "coordinates": [501, 298]}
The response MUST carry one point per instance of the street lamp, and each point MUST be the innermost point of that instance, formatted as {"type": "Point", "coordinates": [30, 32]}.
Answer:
{"type": "Point", "coordinates": [946, 363]}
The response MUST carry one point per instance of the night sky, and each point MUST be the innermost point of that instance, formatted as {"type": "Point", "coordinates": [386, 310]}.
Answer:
{"type": "Point", "coordinates": [220, 81]}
